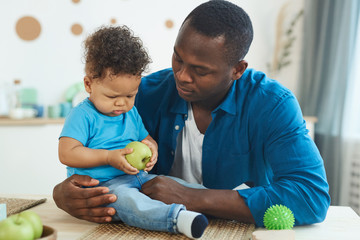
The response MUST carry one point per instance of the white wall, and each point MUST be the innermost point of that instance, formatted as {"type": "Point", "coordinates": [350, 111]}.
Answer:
{"type": "Point", "coordinates": [28, 159]}
{"type": "Point", "coordinates": [53, 62]}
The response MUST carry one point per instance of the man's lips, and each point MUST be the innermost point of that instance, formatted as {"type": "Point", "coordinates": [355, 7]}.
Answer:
{"type": "Point", "coordinates": [183, 91]}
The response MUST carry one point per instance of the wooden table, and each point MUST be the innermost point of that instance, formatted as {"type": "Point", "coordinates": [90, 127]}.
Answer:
{"type": "Point", "coordinates": [340, 222]}
{"type": "Point", "coordinates": [67, 227]}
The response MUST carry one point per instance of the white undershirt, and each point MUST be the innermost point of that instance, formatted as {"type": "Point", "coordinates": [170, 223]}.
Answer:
{"type": "Point", "coordinates": [188, 153]}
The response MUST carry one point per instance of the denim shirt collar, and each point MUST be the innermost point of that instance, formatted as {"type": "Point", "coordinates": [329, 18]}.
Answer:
{"type": "Point", "coordinates": [179, 105]}
{"type": "Point", "coordinates": [228, 105]}
{"type": "Point", "coordinates": [231, 103]}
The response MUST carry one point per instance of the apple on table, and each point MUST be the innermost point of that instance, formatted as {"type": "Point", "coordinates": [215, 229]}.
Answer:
{"type": "Point", "coordinates": [140, 155]}
{"type": "Point", "coordinates": [26, 225]}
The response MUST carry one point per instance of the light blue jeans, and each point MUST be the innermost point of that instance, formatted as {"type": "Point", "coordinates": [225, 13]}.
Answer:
{"type": "Point", "coordinates": [136, 209]}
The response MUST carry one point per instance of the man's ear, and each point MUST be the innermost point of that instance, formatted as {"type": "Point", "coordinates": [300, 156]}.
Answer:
{"type": "Point", "coordinates": [239, 69]}
{"type": "Point", "coordinates": [87, 84]}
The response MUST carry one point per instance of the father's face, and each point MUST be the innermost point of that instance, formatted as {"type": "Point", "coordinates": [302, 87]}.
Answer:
{"type": "Point", "coordinates": [201, 73]}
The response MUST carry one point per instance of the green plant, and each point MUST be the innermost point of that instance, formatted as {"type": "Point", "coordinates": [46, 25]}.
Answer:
{"type": "Point", "coordinates": [284, 43]}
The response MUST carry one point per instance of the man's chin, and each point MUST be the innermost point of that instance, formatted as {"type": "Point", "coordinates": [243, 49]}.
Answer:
{"type": "Point", "coordinates": [187, 96]}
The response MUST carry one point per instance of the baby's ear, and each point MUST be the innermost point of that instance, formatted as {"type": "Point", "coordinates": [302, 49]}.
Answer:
{"type": "Point", "coordinates": [87, 84]}
{"type": "Point", "coordinates": [239, 69]}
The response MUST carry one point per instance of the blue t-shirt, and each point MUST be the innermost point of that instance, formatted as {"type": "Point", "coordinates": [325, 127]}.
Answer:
{"type": "Point", "coordinates": [97, 131]}
{"type": "Point", "coordinates": [257, 136]}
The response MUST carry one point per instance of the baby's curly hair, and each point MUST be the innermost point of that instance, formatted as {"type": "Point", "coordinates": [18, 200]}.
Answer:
{"type": "Point", "coordinates": [115, 49]}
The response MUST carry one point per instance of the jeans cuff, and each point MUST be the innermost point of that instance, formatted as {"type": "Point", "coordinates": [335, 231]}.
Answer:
{"type": "Point", "coordinates": [172, 217]}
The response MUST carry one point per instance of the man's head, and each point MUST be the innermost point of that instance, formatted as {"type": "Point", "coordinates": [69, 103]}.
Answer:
{"type": "Point", "coordinates": [209, 50]}
{"type": "Point", "coordinates": [221, 18]}
{"type": "Point", "coordinates": [115, 60]}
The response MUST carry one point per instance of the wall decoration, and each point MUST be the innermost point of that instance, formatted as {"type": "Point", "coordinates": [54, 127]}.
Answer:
{"type": "Point", "coordinates": [113, 21]}
{"type": "Point", "coordinates": [76, 29]}
{"type": "Point", "coordinates": [28, 28]}
{"type": "Point", "coordinates": [169, 23]}
{"type": "Point", "coordinates": [284, 41]}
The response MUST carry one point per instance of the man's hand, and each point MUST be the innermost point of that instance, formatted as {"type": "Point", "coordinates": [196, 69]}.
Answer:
{"type": "Point", "coordinates": [84, 203]}
{"type": "Point", "coordinates": [227, 204]}
{"type": "Point", "coordinates": [167, 190]}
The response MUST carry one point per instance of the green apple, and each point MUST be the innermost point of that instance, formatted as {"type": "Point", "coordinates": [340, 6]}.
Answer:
{"type": "Point", "coordinates": [140, 155]}
{"type": "Point", "coordinates": [16, 227]}
{"type": "Point", "coordinates": [35, 221]}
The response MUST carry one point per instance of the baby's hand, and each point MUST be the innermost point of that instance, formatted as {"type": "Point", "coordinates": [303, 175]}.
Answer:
{"type": "Point", "coordinates": [116, 158]}
{"type": "Point", "coordinates": [150, 142]}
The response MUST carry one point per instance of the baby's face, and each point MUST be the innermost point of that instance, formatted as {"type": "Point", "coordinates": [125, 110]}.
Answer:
{"type": "Point", "coordinates": [113, 95]}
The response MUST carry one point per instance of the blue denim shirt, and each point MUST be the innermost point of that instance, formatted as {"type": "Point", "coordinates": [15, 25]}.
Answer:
{"type": "Point", "coordinates": [257, 135]}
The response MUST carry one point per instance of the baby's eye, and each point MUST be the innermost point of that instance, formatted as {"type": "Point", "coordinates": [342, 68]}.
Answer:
{"type": "Point", "coordinates": [111, 96]}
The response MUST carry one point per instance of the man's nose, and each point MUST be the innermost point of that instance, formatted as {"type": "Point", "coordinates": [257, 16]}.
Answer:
{"type": "Point", "coordinates": [183, 75]}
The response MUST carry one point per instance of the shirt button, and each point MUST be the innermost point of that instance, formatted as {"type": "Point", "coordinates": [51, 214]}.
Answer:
{"type": "Point", "coordinates": [172, 153]}
{"type": "Point", "coordinates": [177, 127]}
{"type": "Point", "coordinates": [185, 115]}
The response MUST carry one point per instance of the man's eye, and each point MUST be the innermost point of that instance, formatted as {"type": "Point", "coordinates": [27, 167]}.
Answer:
{"type": "Point", "coordinates": [111, 96]}
{"type": "Point", "coordinates": [131, 96]}
{"type": "Point", "coordinates": [202, 73]}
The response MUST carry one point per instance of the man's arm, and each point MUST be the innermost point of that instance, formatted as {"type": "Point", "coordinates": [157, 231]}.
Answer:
{"type": "Point", "coordinates": [297, 177]}
{"type": "Point", "coordinates": [84, 203]}
{"type": "Point", "coordinates": [226, 204]}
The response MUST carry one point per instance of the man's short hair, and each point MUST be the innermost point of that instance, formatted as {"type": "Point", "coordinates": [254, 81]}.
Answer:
{"type": "Point", "coordinates": [222, 18]}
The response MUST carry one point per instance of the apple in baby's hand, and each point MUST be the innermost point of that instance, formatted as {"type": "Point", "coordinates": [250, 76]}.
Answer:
{"type": "Point", "coordinates": [24, 225]}
{"type": "Point", "coordinates": [16, 227]}
{"type": "Point", "coordinates": [140, 155]}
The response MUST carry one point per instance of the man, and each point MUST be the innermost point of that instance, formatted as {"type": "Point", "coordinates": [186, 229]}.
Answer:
{"type": "Point", "coordinates": [220, 124]}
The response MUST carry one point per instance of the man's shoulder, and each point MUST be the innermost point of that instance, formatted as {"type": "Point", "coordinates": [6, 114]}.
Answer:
{"type": "Point", "coordinates": [162, 76]}
{"type": "Point", "coordinates": [157, 85]}
{"type": "Point", "coordinates": [259, 86]}
{"type": "Point", "coordinates": [156, 94]}
{"type": "Point", "coordinates": [257, 96]}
